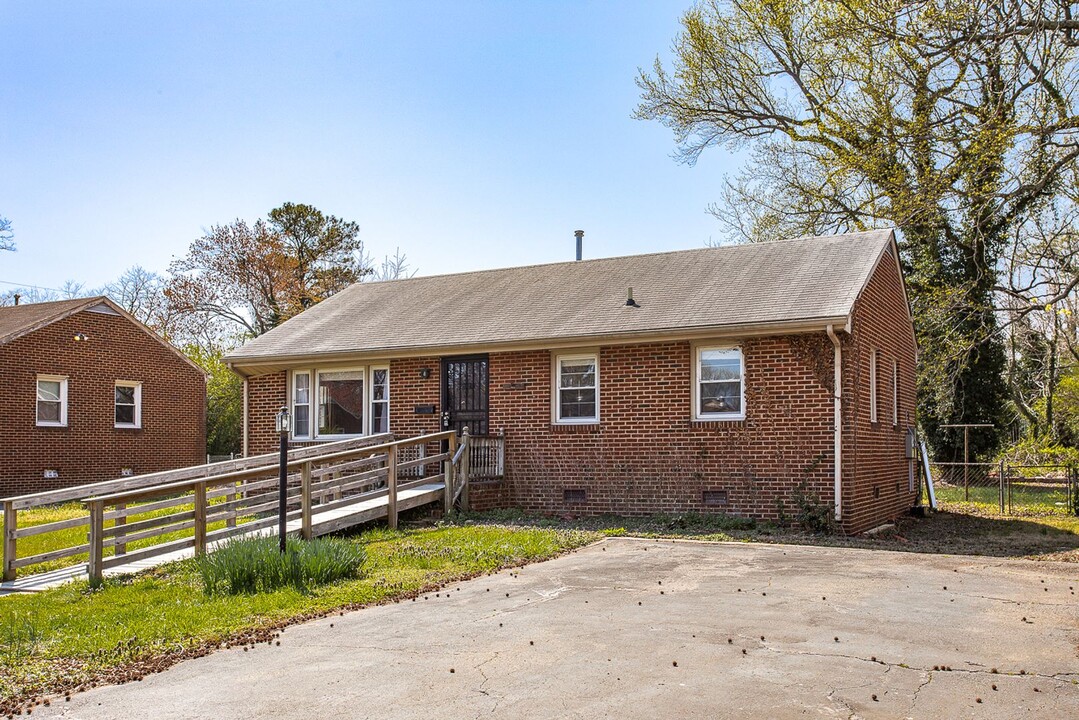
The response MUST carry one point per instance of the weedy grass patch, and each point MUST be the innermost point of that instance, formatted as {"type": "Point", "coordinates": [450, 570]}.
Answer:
{"type": "Point", "coordinates": [256, 564]}
{"type": "Point", "coordinates": [71, 636]}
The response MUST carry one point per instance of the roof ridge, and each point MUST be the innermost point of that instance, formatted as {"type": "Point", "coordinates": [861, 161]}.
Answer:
{"type": "Point", "coordinates": [732, 246]}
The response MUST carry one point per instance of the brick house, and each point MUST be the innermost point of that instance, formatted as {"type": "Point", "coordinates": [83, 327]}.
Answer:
{"type": "Point", "coordinates": [692, 381]}
{"type": "Point", "coordinates": [89, 393]}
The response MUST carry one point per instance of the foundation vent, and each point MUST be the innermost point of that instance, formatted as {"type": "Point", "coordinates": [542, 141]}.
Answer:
{"type": "Point", "coordinates": [571, 496]}
{"type": "Point", "coordinates": [714, 497]}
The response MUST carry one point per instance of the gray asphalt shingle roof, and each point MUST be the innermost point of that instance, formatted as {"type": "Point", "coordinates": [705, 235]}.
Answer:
{"type": "Point", "coordinates": [17, 320]}
{"type": "Point", "coordinates": [782, 282]}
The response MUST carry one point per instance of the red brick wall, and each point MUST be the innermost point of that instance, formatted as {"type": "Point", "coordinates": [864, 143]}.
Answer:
{"type": "Point", "coordinates": [876, 471]}
{"type": "Point", "coordinates": [90, 448]}
{"type": "Point", "coordinates": [648, 455]}
{"type": "Point", "coordinates": [266, 394]}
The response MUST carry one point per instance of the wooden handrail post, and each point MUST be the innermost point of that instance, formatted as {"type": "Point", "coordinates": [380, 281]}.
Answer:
{"type": "Point", "coordinates": [451, 475]}
{"type": "Point", "coordinates": [391, 486]}
{"type": "Point", "coordinates": [466, 467]}
{"type": "Point", "coordinates": [11, 523]}
{"type": "Point", "coordinates": [121, 547]}
{"type": "Point", "coordinates": [305, 501]}
{"type": "Point", "coordinates": [200, 518]}
{"type": "Point", "coordinates": [230, 518]}
{"type": "Point", "coordinates": [97, 542]}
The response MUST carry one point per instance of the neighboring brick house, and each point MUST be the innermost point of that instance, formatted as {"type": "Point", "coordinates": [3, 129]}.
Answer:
{"type": "Point", "coordinates": [707, 387]}
{"type": "Point", "coordinates": [89, 393]}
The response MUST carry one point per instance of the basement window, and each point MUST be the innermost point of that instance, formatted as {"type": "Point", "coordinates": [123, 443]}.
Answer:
{"type": "Point", "coordinates": [127, 404]}
{"type": "Point", "coordinates": [51, 400]}
{"type": "Point", "coordinates": [719, 384]}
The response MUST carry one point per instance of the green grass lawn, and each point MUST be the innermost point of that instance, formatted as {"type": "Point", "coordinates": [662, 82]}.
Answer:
{"type": "Point", "coordinates": [71, 537]}
{"type": "Point", "coordinates": [71, 635]}
{"type": "Point", "coordinates": [1025, 498]}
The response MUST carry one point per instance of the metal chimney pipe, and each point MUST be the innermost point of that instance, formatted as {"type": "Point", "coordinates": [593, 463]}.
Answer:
{"type": "Point", "coordinates": [579, 234]}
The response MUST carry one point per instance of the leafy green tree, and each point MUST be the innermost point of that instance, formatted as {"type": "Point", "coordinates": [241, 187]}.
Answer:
{"type": "Point", "coordinates": [253, 277]}
{"type": "Point", "coordinates": [224, 401]}
{"type": "Point", "coordinates": [325, 254]}
{"type": "Point", "coordinates": [954, 121]}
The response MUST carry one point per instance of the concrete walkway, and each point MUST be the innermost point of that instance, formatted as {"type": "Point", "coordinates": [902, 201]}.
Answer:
{"type": "Point", "coordinates": [646, 629]}
{"type": "Point", "coordinates": [322, 522]}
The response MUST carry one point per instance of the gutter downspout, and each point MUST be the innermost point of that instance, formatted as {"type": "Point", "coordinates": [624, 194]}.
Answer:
{"type": "Point", "coordinates": [838, 421]}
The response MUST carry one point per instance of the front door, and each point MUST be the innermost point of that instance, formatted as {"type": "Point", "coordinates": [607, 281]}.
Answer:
{"type": "Point", "coordinates": [465, 393]}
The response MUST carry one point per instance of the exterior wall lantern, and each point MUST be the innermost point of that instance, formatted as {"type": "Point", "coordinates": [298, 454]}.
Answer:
{"type": "Point", "coordinates": [425, 372]}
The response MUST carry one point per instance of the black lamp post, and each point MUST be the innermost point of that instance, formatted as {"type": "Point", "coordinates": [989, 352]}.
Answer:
{"type": "Point", "coordinates": [284, 424]}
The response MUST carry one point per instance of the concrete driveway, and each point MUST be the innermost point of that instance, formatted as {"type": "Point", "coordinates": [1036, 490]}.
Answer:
{"type": "Point", "coordinates": [645, 629]}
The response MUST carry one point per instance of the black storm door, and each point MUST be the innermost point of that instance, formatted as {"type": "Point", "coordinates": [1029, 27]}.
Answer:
{"type": "Point", "coordinates": [465, 393]}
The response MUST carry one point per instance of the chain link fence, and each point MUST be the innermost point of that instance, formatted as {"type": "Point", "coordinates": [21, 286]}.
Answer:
{"type": "Point", "coordinates": [1009, 489]}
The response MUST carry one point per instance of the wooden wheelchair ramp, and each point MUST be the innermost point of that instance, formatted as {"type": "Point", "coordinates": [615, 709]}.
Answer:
{"type": "Point", "coordinates": [136, 523]}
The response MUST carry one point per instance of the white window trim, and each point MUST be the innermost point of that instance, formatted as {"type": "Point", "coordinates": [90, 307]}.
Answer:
{"type": "Point", "coordinates": [696, 388]}
{"type": "Point", "coordinates": [62, 379]}
{"type": "Point", "coordinates": [895, 393]}
{"type": "Point", "coordinates": [556, 385]}
{"type": "Point", "coordinates": [313, 414]}
{"type": "Point", "coordinates": [370, 384]}
{"type": "Point", "coordinates": [138, 404]}
{"type": "Point", "coordinates": [316, 405]}
{"type": "Point", "coordinates": [873, 385]}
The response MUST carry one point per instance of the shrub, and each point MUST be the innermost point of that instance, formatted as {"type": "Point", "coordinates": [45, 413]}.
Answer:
{"type": "Point", "coordinates": [255, 564]}
{"type": "Point", "coordinates": [1041, 450]}
{"type": "Point", "coordinates": [810, 512]}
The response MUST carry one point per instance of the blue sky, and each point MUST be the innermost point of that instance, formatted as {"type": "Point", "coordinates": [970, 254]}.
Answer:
{"type": "Point", "coordinates": [472, 135]}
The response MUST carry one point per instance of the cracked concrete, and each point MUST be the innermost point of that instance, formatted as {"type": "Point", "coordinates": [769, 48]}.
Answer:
{"type": "Point", "coordinates": [846, 633]}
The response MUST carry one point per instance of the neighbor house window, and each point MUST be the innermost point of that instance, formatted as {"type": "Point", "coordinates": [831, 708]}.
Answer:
{"type": "Point", "coordinates": [577, 388]}
{"type": "Point", "coordinates": [895, 393]}
{"type": "Point", "coordinates": [719, 392]}
{"type": "Point", "coordinates": [51, 400]}
{"type": "Point", "coordinates": [872, 386]}
{"type": "Point", "coordinates": [380, 400]}
{"type": "Point", "coordinates": [127, 402]}
{"type": "Point", "coordinates": [301, 404]}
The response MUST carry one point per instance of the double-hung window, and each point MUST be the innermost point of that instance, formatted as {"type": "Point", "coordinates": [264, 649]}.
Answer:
{"type": "Point", "coordinates": [301, 404]}
{"type": "Point", "coordinates": [127, 404]}
{"type": "Point", "coordinates": [336, 403]}
{"type": "Point", "coordinates": [380, 400]}
{"type": "Point", "coordinates": [52, 400]}
{"type": "Point", "coordinates": [719, 387]}
{"type": "Point", "coordinates": [577, 389]}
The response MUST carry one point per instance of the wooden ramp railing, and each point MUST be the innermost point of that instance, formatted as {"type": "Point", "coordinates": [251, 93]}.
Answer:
{"type": "Point", "coordinates": [330, 487]}
{"type": "Point", "coordinates": [487, 457]}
